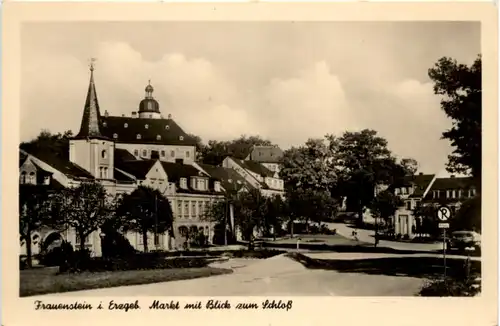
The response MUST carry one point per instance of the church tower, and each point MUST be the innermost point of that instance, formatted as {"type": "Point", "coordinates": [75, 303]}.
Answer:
{"type": "Point", "coordinates": [89, 148]}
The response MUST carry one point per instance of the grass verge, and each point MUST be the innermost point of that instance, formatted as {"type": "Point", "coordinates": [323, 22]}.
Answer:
{"type": "Point", "coordinates": [39, 281]}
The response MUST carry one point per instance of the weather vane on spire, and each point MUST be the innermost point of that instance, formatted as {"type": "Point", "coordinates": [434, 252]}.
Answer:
{"type": "Point", "coordinates": [92, 62]}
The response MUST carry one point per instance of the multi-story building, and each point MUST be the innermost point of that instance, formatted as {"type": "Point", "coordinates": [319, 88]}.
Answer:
{"type": "Point", "coordinates": [428, 189]}
{"type": "Point", "coordinates": [257, 175]}
{"type": "Point", "coordinates": [124, 152]}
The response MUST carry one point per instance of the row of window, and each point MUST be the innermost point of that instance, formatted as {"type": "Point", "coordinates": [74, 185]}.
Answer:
{"type": "Point", "coordinates": [158, 137]}
{"type": "Point", "coordinates": [453, 193]}
{"type": "Point", "coordinates": [147, 153]}
{"type": "Point", "coordinates": [31, 178]}
{"type": "Point", "coordinates": [190, 209]}
{"type": "Point", "coordinates": [146, 126]}
{"type": "Point", "coordinates": [404, 191]}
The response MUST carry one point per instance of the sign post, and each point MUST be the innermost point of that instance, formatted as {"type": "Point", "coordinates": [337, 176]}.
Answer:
{"type": "Point", "coordinates": [443, 214]}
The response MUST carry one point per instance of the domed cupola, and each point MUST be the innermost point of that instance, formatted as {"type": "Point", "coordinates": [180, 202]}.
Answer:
{"type": "Point", "coordinates": [149, 107]}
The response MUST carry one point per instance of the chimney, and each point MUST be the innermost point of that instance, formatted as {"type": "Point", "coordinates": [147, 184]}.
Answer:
{"type": "Point", "coordinates": [179, 161]}
{"type": "Point", "coordinates": [134, 114]}
{"type": "Point", "coordinates": [169, 116]}
{"type": "Point", "coordinates": [123, 115]}
{"type": "Point", "coordinates": [452, 176]}
{"type": "Point", "coordinates": [421, 173]}
{"type": "Point", "coordinates": [106, 114]}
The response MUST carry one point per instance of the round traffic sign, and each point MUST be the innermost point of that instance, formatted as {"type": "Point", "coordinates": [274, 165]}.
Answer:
{"type": "Point", "coordinates": [443, 213]}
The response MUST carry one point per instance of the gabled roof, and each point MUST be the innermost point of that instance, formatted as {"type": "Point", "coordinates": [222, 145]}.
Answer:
{"type": "Point", "coordinates": [176, 171]}
{"type": "Point", "coordinates": [123, 155]}
{"type": "Point", "coordinates": [254, 167]}
{"type": "Point", "coordinates": [420, 181]}
{"type": "Point", "coordinates": [229, 178]}
{"type": "Point", "coordinates": [452, 183]}
{"type": "Point", "coordinates": [62, 165]}
{"type": "Point", "coordinates": [151, 131]}
{"type": "Point", "coordinates": [122, 177]}
{"type": "Point", "coordinates": [266, 154]}
{"type": "Point", "coordinates": [137, 168]}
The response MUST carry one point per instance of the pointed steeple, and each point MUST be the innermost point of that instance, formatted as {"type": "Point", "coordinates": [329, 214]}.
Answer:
{"type": "Point", "coordinates": [90, 127]}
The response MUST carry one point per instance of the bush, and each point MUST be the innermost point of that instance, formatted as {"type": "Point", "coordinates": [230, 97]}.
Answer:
{"type": "Point", "coordinates": [115, 244]}
{"type": "Point", "coordinates": [406, 237]}
{"type": "Point", "coordinates": [450, 288]}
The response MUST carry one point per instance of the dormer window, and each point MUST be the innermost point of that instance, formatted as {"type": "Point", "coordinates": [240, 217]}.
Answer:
{"type": "Point", "coordinates": [115, 136]}
{"type": "Point", "coordinates": [125, 125]}
{"type": "Point", "coordinates": [187, 154]}
{"type": "Point", "coordinates": [104, 154]}
{"type": "Point", "coordinates": [23, 177]}
{"type": "Point", "coordinates": [136, 152]}
{"type": "Point", "coordinates": [138, 136]}
{"type": "Point", "coordinates": [158, 137]}
{"type": "Point", "coordinates": [144, 153]}
{"type": "Point", "coordinates": [146, 126]}
{"type": "Point", "coordinates": [217, 186]}
{"type": "Point", "coordinates": [181, 138]}
{"type": "Point", "coordinates": [104, 124]}
{"type": "Point", "coordinates": [31, 178]}
{"type": "Point", "coordinates": [46, 180]}
{"type": "Point", "coordinates": [183, 183]}
{"type": "Point", "coordinates": [167, 127]}
{"type": "Point", "coordinates": [162, 153]}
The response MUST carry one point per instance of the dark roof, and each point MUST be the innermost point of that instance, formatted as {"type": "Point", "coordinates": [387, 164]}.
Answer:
{"type": "Point", "coordinates": [176, 171]}
{"type": "Point", "coordinates": [137, 168]}
{"type": "Point", "coordinates": [90, 126]}
{"type": "Point", "coordinates": [266, 154]}
{"type": "Point", "coordinates": [229, 178]}
{"type": "Point", "coordinates": [122, 177]}
{"type": "Point", "coordinates": [158, 131]}
{"type": "Point", "coordinates": [452, 183]}
{"type": "Point", "coordinates": [123, 155]}
{"type": "Point", "coordinates": [420, 181]}
{"type": "Point", "coordinates": [61, 164]}
{"type": "Point", "coordinates": [255, 167]}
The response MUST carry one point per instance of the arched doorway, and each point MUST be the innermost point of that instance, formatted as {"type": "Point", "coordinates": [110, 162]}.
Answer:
{"type": "Point", "coordinates": [51, 241]}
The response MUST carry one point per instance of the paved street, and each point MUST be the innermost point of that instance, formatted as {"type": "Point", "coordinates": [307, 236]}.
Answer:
{"type": "Point", "coordinates": [275, 276]}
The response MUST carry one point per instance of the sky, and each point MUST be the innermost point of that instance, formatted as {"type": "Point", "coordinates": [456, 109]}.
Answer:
{"type": "Point", "coordinates": [284, 81]}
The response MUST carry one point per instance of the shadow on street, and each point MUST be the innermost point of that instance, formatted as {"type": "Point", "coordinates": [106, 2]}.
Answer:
{"type": "Point", "coordinates": [419, 267]}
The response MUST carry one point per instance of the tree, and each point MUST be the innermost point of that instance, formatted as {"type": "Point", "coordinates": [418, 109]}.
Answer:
{"type": "Point", "coordinates": [409, 165]}
{"type": "Point", "coordinates": [146, 210]}
{"type": "Point", "coordinates": [200, 147]}
{"type": "Point", "coordinates": [384, 206]}
{"type": "Point", "coordinates": [461, 89]}
{"type": "Point", "coordinates": [34, 209]}
{"type": "Point", "coordinates": [249, 210]}
{"type": "Point", "coordinates": [310, 205]}
{"type": "Point", "coordinates": [468, 217]}
{"type": "Point", "coordinates": [84, 208]}
{"type": "Point", "coordinates": [215, 151]}
{"type": "Point", "coordinates": [309, 166]}
{"type": "Point", "coordinates": [274, 215]}
{"type": "Point", "coordinates": [46, 142]}
{"type": "Point", "coordinates": [365, 162]}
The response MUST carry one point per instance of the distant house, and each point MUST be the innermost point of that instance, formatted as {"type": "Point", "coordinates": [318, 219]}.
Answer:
{"type": "Point", "coordinates": [428, 189]}
{"type": "Point", "coordinates": [268, 156]}
{"type": "Point", "coordinates": [257, 175]}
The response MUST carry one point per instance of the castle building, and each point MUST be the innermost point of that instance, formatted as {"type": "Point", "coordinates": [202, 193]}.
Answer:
{"type": "Point", "coordinates": [122, 153]}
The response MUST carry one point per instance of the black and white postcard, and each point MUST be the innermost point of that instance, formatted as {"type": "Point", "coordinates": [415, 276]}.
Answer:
{"type": "Point", "coordinates": [249, 164]}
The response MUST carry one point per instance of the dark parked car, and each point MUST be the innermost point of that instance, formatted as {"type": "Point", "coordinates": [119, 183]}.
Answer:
{"type": "Point", "coordinates": [464, 239]}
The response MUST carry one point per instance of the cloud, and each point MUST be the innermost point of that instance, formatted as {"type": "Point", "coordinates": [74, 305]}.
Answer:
{"type": "Point", "coordinates": [286, 82]}
{"type": "Point", "coordinates": [310, 105]}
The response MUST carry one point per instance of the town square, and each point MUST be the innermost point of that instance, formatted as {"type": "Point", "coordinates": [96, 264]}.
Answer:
{"type": "Point", "coordinates": [154, 174]}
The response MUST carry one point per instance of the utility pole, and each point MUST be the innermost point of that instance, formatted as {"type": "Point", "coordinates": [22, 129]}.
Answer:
{"type": "Point", "coordinates": [156, 240]}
